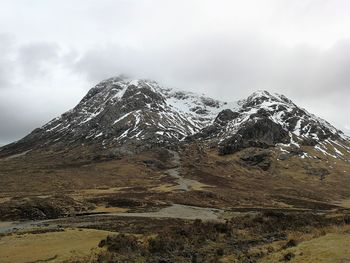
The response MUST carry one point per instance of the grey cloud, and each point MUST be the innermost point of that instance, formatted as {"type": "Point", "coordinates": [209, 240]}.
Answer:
{"type": "Point", "coordinates": [25, 62]}
{"type": "Point", "coordinates": [231, 68]}
{"type": "Point", "coordinates": [225, 64]}
{"type": "Point", "coordinates": [5, 73]}
{"type": "Point", "coordinates": [35, 86]}
{"type": "Point", "coordinates": [104, 62]}
{"type": "Point", "coordinates": [34, 58]}
{"type": "Point", "coordinates": [226, 50]}
{"type": "Point", "coordinates": [6, 63]}
{"type": "Point", "coordinates": [16, 124]}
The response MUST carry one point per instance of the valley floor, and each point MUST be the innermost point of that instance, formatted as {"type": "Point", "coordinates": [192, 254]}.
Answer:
{"type": "Point", "coordinates": [267, 236]}
{"type": "Point", "coordinates": [165, 207]}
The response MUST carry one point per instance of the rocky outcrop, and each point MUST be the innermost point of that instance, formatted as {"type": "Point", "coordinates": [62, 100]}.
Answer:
{"type": "Point", "coordinates": [225, 116]}
{"type": "Point", "coordinates": [258, 158]}
{"type": "Point", "coordinates": [261, 133]}
{"type": "Point", "coordinates": [41, 208]}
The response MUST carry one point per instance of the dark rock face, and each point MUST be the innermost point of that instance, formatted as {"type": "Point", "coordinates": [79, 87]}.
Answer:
{"type": "Point", "coordinates": [225, 116]}
{"type": "Point", "coordinates": [292, 152]}
{"type": "Point", "coordinates": [259, 158]}
{"type": "Point", "coordinates": [261, 113]}
{"type": "Point", "coordinates": [206, 133]}
{"type": "Point", "coordinates": [236, 143]}
{"type": "Point", "coordinates": [265, 131]}
{"type": "Point", "coordinates": [136, 98]}
{"type": "Point", "coordinates": [261, 133]}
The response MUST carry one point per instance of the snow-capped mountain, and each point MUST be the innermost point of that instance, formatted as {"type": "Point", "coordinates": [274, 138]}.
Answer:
{"type": "Point", "coordinates": [118, 111]}
{"type": "Point", "coordinates": [265, 119]}
{"type": "Point", "coordinates": [143, 114]}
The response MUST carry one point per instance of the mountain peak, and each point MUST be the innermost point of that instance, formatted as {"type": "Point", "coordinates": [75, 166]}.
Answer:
{"type": "Point", "coordinates": [261, 97]}
{"type": "Point", "coordinates": [140, 114]}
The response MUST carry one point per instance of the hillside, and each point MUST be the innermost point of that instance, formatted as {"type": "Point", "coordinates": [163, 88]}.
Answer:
{"type": "Point", "coordinates": [132, 129]}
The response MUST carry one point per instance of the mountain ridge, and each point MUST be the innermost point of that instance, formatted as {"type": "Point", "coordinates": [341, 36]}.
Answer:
{"type": "Point", "coordinates": [143, 114]}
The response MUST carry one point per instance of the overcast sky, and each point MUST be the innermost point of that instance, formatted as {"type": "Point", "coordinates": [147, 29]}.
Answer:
{"type": "Point", "coordinates": [52, 52]}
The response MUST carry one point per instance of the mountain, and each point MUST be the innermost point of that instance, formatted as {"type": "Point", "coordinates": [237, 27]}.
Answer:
{"type": "Point", "coordinates": [137, 144]}
{"type": "Point", "coordinates": [264, 120]}
{"type": "Point", "coordinates": [135, 158]}
{"type": "Point", "coordinates": [124, 116]}
{"type": "Point", "coordinates": [118, 111]}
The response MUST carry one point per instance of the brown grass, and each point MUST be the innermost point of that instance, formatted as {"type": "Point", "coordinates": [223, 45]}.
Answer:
{"type": "Point", "coordinates": [54, 246]}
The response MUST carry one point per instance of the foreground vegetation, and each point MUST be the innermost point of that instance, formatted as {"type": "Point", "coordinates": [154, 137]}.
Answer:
{"type": "Point", "coordinates": [260, 237]}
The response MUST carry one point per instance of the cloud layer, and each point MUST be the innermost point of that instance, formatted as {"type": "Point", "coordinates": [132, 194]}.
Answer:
{"type": "Point", "coordinates": [227, 50]}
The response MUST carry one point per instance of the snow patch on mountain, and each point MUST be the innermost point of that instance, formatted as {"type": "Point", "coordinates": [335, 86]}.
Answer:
{"type": "Point", "coordinates": [142, 112]}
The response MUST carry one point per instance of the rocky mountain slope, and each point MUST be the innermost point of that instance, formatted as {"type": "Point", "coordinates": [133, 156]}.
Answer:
{"type": "Point", "coordinates": [120, 111]}
{"type": "Point", "coordinates": [134, 143]}
{"type": "Point", "coordinates": [124, 116]}
{"type": "Point", "coordinates": [264, 120]}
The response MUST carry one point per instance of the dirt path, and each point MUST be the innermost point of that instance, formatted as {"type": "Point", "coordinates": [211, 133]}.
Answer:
{"type": "Point", "coordinates": [183, 183]}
